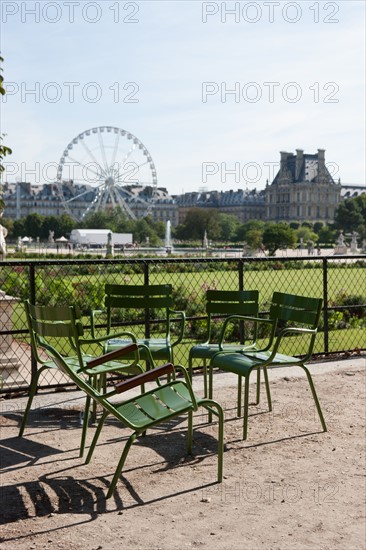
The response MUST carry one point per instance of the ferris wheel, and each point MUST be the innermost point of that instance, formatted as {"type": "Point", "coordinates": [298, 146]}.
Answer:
{"type": "Point", "coordinates": [104, 168]}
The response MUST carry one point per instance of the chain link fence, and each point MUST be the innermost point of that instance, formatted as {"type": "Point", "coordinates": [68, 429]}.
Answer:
{"type": "Point", "coordinates": [340, 281]}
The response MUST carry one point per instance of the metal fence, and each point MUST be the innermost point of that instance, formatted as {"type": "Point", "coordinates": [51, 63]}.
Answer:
{"type": "Point", "coordinates": [339, 280]}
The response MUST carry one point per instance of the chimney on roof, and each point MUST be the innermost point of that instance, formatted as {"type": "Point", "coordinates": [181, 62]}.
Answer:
{"type": "Point", "coordinates": [321, 161]}
{"type": "Point", "coordinates": [299, 162]}
{"type": "Point", "coordinates": [284, 157]}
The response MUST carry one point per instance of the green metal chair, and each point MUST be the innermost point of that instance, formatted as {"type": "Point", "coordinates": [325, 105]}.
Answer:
{"type": "Point", "coordinates": [146, 301]}
{"type": "Point", "coordinates": [229, 306]}
{"type": "Point", "coordinates": [289, 316]}
{"type": "Point", "coordinates": [62, 327]}
{"type": "Point", "coordinates": [147, 409]}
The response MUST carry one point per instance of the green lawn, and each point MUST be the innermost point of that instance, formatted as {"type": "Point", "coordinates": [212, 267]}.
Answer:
{"type": "Point", "coordinates": [190, 288]}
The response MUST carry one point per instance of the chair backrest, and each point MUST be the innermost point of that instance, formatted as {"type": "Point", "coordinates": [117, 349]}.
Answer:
{"type": "Point", "coordinates": [289, 310]}
{"type": "Point", "coordinates": [230, 302]}
{"type": "Point", "coordinates": [48, 324]}
{"type": "Point", "coordinates": [301, 310]}
{"type": "Point", "coordinates": [138, 297]}
{"type": "Point", "coordinates": [57, 325]}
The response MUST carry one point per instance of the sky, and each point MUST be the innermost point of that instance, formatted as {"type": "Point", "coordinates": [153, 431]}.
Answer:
{"type": "Point", "coordinates": [213, 90]}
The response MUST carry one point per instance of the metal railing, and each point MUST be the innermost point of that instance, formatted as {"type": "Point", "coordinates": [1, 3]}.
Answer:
{"type": "Point", "coordinates": [339, 280]}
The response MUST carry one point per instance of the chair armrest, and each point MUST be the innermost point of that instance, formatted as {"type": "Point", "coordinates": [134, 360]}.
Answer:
{"type": "Point", "coordinates": [182, 321]}
{"type": "Point", "coordinates": [140, 379]}
{"type": "Point", "coordinates": [93, 315]}
{"type": "Point", "coordinates": [295, 330]}
{"type": "Point", "coordinates": [187, 379]}
{"type": "Point", "coordinates": [112, 336]}
{"type": "Point", "coordinates": [111, 356]}
{"type": "Point", "coordinates": [241, 318]}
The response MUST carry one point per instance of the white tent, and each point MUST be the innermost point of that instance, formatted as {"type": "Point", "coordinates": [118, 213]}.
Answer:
{"type": "Point", "coordinates": [91, 237]}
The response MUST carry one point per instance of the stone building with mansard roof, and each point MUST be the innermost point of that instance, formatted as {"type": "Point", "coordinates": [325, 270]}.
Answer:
{"type": "Point", "coordinates": [302, 190]}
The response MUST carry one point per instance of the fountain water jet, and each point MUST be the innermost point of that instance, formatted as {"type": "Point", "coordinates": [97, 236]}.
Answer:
{"type": "Point", "coordinates": [168, 238]}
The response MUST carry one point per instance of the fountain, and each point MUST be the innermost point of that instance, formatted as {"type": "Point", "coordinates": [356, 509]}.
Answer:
{"type": "Point", "coordinates": [205, 241]}
{"type": "Point", "coordinates": [168, 238]}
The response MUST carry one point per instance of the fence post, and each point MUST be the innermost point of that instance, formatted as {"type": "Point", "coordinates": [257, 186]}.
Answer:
{"type": "Point", "coordinates": [147, 311]}
{"type": "Point", "coordinates": [241, 275]}
{"type": "Point", "coordinates": [32, 299]}
{"type": "Point", "coordinates": [325, 306]}
{"type": "Point", "coordinates": [241, 287]}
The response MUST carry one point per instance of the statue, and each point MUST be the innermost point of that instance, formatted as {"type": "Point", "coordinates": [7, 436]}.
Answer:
{"type": "Point", "coordinates": [110, 246]}
{"type": "Point", "coordinates": [341, 246]}
{"type": "Point", "coordinates": [3, 234]}
{"type": "Point", "coordinates": [354, 241]}
{"type": "Point", "coordinates": [51, 235]}
{"type": "Point", "coordinates": [340, 240]}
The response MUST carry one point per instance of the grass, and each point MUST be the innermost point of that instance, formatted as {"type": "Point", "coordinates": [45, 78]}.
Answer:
{"type": "Point", "coordinates": [191, 287]}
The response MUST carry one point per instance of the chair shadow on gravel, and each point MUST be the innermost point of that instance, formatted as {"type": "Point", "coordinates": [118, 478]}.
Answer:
{"type": "Point", "coordinates": [63, 492]}
{"type": "Point", "coordinates": [47, 419]}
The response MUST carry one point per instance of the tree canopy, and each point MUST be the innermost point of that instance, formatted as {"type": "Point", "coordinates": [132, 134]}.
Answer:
{"type": "Point", "coordinates": [278, 235]}
{"type": "Point", "coordinates": [351, 215]}
{"type": "Point", "coordinates": [4, 150]}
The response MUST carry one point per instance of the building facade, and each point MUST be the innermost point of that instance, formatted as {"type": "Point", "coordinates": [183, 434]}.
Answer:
{"type": "Point", "coordinates": [302, 190]}
{"type": "Point", "coordinates": [245, 205]}
{"type": "Point", "coordinates": [22, 199]}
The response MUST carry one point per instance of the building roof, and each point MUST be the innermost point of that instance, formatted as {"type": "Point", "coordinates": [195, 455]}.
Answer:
{"type": "Point", "coordinates": [300, 168]}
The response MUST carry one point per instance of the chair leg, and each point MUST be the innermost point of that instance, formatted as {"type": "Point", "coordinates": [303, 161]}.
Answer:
{"type": "Point", "coordinates": [32, 393]}
{"type": "Point", "coordinates": [258, 391]}
{"type": "Point", "coordinates": [269, 400]}
{"type": "Point", "coordinates": [246, 406]}
{"type": "Point", "coordinates": [258, 397]}
{"type": "Point", "coordinates": [210, 389]}
{"type": "Point", "coordinates": [313, 391]}
{"type": "Point", "coordinates": [85, 425]}
{"type": "Point", "coordinates": [190, 369]}
{"type": "Point", "coordinates": [211, 406]}
{"type": "Point", "coordinates": [190, 432]}
{"type": "Point", "coordinates": [238, 405]}
{"type": "Point", "coordinates": [96, 436]}
{"type": "Point", "coordinates": [205, 388]}
{"type": "Point", "coordinates": [120, 464]}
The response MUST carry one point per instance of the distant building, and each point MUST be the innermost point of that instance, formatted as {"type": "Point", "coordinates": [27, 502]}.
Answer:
{"type": "Point", "coordinates": [22, 199]}
{"type": "Point", "coordinates": [349, 191]}
{"type": "Point", "coordinates": [302, 190]}
{"type": "Point", "coordinates": [245, 205]}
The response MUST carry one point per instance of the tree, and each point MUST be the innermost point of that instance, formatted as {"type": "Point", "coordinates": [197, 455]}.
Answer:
{"type": "Point", "coordinates": [98, 220]}
{"type": "Point", "coordinates": [254, 238]}
{"type": "Point", "coordinates": [305, 233]}
{"type": "Point", "coordinates": [228, 225]}
{"type": "Point", "coordinates": [278, 235]}
{"type": "Point", "coordinates": [197, 221]}
{"type": "Point", "coordinates": [318, 226]}
{"type": "Point", "coordinates": [4, 150]}
{"type": "Point", "coordinates": [242, 230]}
{"type": "Point", "coordinates": [326, 235]}
{"type": "Point", "coordinates": [61, 225]}
{"type": "Point", "coordinates": [351, 215]}
{"type": "Point", "coordinates": [33, 225]}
